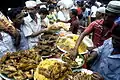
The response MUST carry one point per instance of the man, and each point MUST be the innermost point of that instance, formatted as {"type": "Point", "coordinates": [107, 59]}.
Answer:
{"type": "Point", "coordinates": [52, 15]}
{"type": "Point", "coordinates": [107, 57]}
{"type": "Point", "coordinates": [43, 12]}
{"type": "Point", "coordinates": [93, 12]}
{"type": "Point", "coordinates": [60, 14]}
{"type": "Point", "coordinates": [74, 21]}
{"type": "Point", "coordinates": [32, 27]}
{"type": "Point", "coordinates": [16, 16]}
{"type": "Point", "coordinates": [101, 28]}
{"type": "Point", "coordinates": [6, 38]}
{"type": "Point", "coordinates": [100, 14]}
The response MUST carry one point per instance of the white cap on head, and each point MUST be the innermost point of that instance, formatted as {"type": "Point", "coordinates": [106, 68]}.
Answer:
{"type": "Point", "coordinates": [114, 7]}
{"type": "Point", "coordinates": [30, 4]}
{"type": "Point", "coordinates": [101, 9]}
{"type": "Point", "coordinates": [61, 7]}
{"type": "Point", "coordinates": [98, 3]}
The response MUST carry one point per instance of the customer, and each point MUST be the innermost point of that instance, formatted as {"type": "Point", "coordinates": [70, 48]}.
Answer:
{"type": "Point", "coordinates": [100, 14]}
{"type": "Point", "coordinates": [52, 16]}
{"type": "Point", "coordinates": [16, 16]}
{"type": "Point", "coordinates": [7, 39]}
{"type": "Point", "coordinates": [43, 12]}
{"type": "Point", "coordinates": [107, 58]}
{"type": "Point", "coordinates": [93, 12]}
{"type": "Point", "coordinates": [101, 29]}
{"type": "Point", "coordinates": [73, 20]}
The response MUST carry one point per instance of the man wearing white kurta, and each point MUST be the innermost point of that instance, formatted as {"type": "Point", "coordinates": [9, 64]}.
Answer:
{"type": "Point", "coordinates": [32, 24]}
{"type": "Point", "coordinates": [31, 27]}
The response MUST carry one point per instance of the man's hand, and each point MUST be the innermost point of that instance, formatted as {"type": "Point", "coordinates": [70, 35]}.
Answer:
{"type": "Point", "coordinates": [73, 54]}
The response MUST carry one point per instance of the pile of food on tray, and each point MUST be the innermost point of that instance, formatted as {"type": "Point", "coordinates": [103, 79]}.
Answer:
{"type": "Point", "coordinates": [20, 65]}
{"type": "Point", "coordinates": [67, 42]}
{"type": "Point", "coordinates": [83, 74]}
{"type": "Point", "coordinates": [52, 69]}
{"type": "Point", "coordinates": [46, 45]}
{"type": "Point", "coordinates": [77, 63]}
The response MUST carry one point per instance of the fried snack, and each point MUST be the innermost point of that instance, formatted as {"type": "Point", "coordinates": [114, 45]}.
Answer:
{"type": "Point", "coordinates": [52, 70]}
{"type": "Point", "coordinates": [20, 65]}
{"type": "Point", "coordinates": [82, 76]}
{"type": "Point", "coordinates": [69, 61]}
{"type": "Point", "coordinates": [74, 63]}
{"type": "Point", "coordinates": [46, 45]}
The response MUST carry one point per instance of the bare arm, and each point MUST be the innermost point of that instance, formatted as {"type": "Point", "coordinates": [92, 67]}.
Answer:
{"type": "Point", "coordinates": [37, 33]}
{"type": "Point", "coordinates": [81, 37]}
{"type": "Point", "coordinates": [87, 31]}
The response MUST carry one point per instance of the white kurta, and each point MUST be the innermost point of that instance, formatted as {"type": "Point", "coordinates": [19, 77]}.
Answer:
{"type": "Point", "coordinates": [6, 44]}
{"type": "Point", "coordinates": [31, 27]}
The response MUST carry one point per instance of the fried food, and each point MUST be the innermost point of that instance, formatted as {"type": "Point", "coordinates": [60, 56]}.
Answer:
{"type": "Point", "coordinates": [82, 76]}
{"type": "Point", "coordinates": [69, 61]}
{"type": "Point", "coordinates": [46, 45]}
{"type": "Point", "coordinates": [52, 70]}
{"type": "Point", "coordinates": [78, 62]}
{"type": "Point", "coordinates": [19, 65]}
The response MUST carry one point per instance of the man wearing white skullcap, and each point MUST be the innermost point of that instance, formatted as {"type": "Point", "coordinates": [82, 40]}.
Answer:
{"type": "Point", "coordinates": [100, 13]}
{"type": "Point", "coordinates": [102, 30]}
{"type": "Point", "coordinates": [32, 29]}
{"type": "Point", "coordinates": [107, 57]}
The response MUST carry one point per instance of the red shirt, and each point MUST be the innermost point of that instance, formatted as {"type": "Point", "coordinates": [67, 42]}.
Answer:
{"type": "Point", "coordinates": [74, 25]}
{"type": "Point", "coordinates": [79, 10]}
{"type": "Point", "coordinates": [99, 36]}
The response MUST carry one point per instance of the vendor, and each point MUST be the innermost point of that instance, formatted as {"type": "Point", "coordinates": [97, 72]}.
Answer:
{"type": "Point", "coordinates": [74, 21]}
{"type": "Point", "coordinates": [32, 28]}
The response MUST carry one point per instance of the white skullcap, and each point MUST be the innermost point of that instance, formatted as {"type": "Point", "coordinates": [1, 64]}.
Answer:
{"type": "Point", "coordinates": [30, 4]}
{"type": "Point", "coordinates": [65, 3]}
{"type": "Point", "coordinates": [98, 3]}
{"type": "Point", "coordinates": [61, 7]}
{"type": "Point", "coordinates": [43, 6]}
{"type": "Point", "coordinates": [114, 7]}
{"type": "Point", "coordinates": [101, 9]}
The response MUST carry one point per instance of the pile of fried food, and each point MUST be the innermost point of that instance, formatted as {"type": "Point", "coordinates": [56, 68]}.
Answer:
{"type": "Point", "coordinates": [82, 76]}
{"type": "Point", "coordinates": [20, 65]}
{"type": "Point", "coordinates": [77, 62]}
{"type": "Point", "coordinates": [46, 45]}
{"type": "Point", "coordinates": [67, 59]}
{"type": "Point", "coordinates": [51, 69]}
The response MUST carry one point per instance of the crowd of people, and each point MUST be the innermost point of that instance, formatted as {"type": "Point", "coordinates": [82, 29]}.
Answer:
{"type": "Point", "coordinates": [99, 21]}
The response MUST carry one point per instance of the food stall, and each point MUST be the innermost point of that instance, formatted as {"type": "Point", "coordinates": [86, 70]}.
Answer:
{"type": "Point", "coordinates": [48, 60]}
